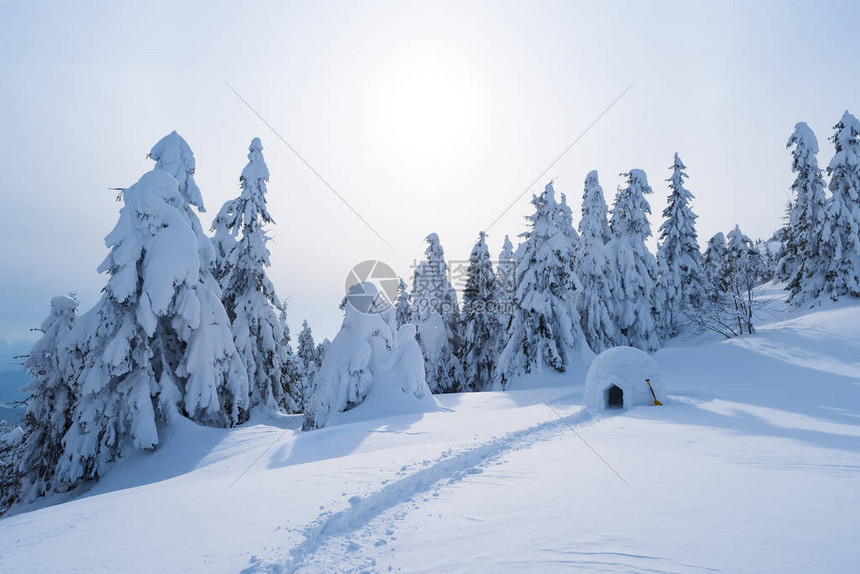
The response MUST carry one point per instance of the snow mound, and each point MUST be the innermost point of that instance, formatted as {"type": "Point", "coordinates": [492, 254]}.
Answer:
{"type": "Point", "coordinates": [626, 368]}
{"type": "Point", "coordinates": [398, 386]}
{"type": "Point", "coordinates": [370, 364]}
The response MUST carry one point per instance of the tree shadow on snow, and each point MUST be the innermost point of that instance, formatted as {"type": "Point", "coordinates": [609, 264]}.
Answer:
{"type": "Point", "coordinates": [742, 374]}
{"type": "Point", "coordinates": [741, 422]}
{"type": "Point", "coordinates": [338, 440]}
{"type": "Point", "coordinates": [791, 383]}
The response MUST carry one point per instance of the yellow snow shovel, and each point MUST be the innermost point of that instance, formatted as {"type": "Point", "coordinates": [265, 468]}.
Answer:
{"type": "Point", "coordinates": [656, 402]}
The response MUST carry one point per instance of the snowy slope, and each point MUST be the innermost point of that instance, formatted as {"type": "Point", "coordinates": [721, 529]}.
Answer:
{"type": "Point", "coordinates": [752, 465]}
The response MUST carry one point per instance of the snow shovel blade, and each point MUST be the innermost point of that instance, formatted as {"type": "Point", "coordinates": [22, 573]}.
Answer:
{"type": "Point", "coordinates": [656, 402]}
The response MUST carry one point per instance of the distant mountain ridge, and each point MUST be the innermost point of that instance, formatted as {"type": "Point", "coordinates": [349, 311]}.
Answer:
{"type": "Point", "coordinates": [8, 352]}
{"type": "Point", "coordinates": [10, 383]}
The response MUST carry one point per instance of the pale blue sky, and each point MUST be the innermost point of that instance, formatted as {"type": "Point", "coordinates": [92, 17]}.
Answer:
{"type": "Point", "coordinates": [424, 116]}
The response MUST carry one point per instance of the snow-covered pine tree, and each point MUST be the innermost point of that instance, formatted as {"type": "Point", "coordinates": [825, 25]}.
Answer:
{"type": "Point", "coordinates": [11, 446]}
{"type": "Point", "coordinates": [787, 262]}
{"type": "Point", "coordinates": [307, 350]}
{"type": "Point", "coordinates": [564, 222]}
{"type": "Point", "coordinates": [506, 284]}
{"type": "Point", "coordinates": [403, 305]}
{"type": "Point", "coordinates": [633, 302]}
{"type": "Point", "coordinates": [480, 323]}
{"type": "Point", "coordinates": [308, 356]}
{"type": "Point", "coordinates": [158, 344]}
{"type": "Point", "coordinates": [297, 388]}
{"type": "Point", "coordinates": [545, 331]}
{"type": "Point", "coordinates": [781, 235]}
{"type": "Point", "coordinates": [741, 274]}
{"type": "Point", "coordinates": [802, 266]}
{"type": "Point", "coordinates": [506, 265]}
{"type": "Point", "coordinates": [679, 260]}
{"type": "Point", "coordinates": [722, 311]}
{"type": "Point", "coordinates": [249, 297]}
{"type": "Point", "coordinates": [841, 230]}
{"type": "Point", "coordinates": [173, 155]}
{"type": "Point", "coordinates": [507, 252]}
{"type": "Point", "coordinates": [223, 241]}
{"type": "Point", "coordinates": [769, 252]}
{"type": "Point", "coordinates": [322, 349]}
{"type": "Point", "coordinates": [52, 397]}
{"type": "Point", "coordinates": [436, 316]}
{"type": "Point", "coordinates": [713, 262]}
{"type": "Point", "coordinates": [596, 270]}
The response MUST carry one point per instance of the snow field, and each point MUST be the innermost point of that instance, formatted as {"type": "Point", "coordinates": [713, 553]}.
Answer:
{"type": "Point", "coordinates": [752, 465]}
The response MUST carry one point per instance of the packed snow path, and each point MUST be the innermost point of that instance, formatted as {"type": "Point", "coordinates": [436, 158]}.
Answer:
{"type": "Point", "coordinates": [752, 465]}
{"type": "Point", "coordinates": [333, 541]}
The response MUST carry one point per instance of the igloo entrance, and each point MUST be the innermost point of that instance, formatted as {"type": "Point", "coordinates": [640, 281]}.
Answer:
{"type": "Point", "coordinates": [614, 397]}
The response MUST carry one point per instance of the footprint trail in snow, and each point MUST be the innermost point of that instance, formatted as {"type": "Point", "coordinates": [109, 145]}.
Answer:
{"type": "Point", "coordinates": [336, 540]}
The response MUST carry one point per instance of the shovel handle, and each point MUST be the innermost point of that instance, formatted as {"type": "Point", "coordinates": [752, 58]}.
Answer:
{"type": "Point", "coordinates": [650, 388]}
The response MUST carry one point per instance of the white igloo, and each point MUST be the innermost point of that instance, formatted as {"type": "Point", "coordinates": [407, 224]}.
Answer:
{"type": "Point", "coordinates": [617, 379]}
